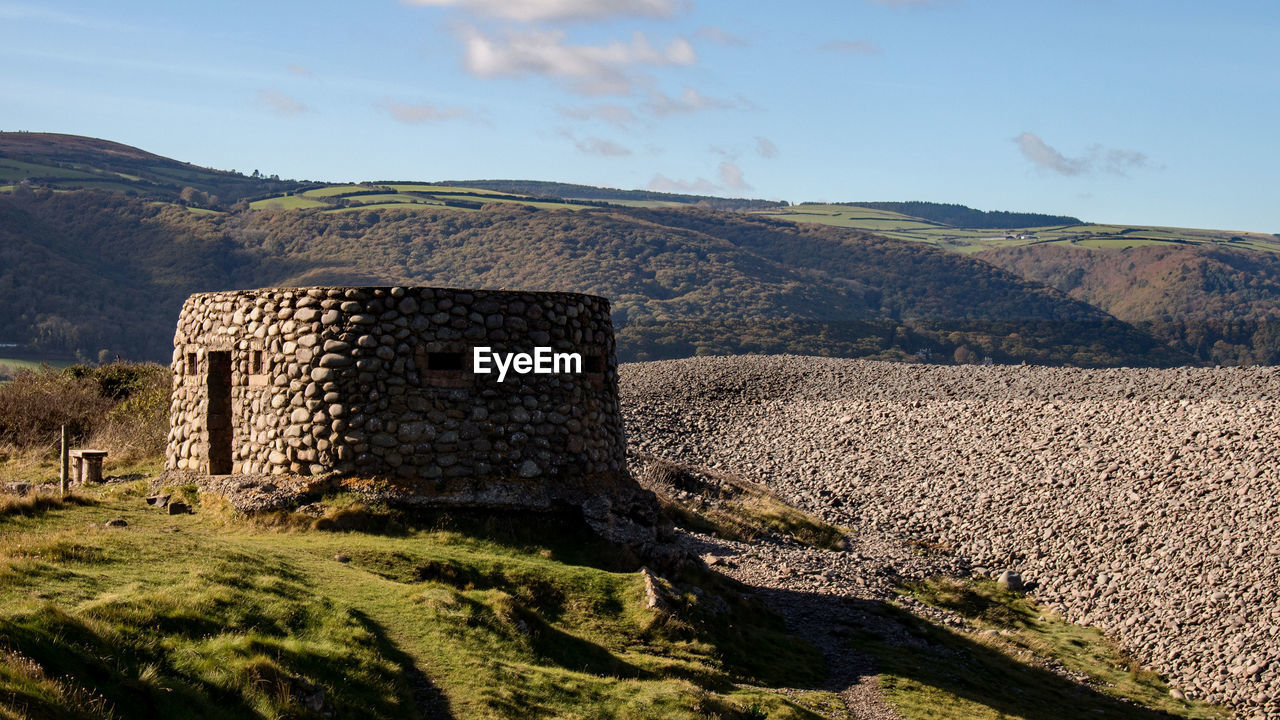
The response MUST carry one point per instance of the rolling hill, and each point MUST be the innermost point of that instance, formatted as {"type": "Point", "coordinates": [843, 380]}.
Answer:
{"type": "Point", "coordinates": [72, 162]}
{"type": "Point", "coordinates": [84, 272]}
{"type": "Point", "coordinates": [102, 241]}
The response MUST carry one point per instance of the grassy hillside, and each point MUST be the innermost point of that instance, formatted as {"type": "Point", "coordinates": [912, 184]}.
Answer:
{"type": "Point", "coordinates": [88, 271]}
{"type": "Point", "coordinates": [960, 216]}
{"type": "Point", "coordinates": [216, 616]}
{"type": "Point", "coordinates": [969, 238]}
{"type": "Point", "coordinates": [651, 198]}
{"type": "Point", "coordinates": [112, 609]}
{"type": "Point", "coordinates": [71, 162]}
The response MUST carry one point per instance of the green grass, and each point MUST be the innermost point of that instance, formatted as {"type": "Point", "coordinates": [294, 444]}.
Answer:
{"type": "Point", "coordinates": [25, 364]}
{"type": "Point", "coordinates": [40, 467]}
{"type": "Point", "coordinates": [385, 198]}
{"type": "Point", "coordinates": [11, 169]}
{"type": "Point", "coordinates": [544, 205]}
{"type": "Point", "coordinates": [997, 669]}
{"type": "Point", "coordinates": [437, 189]}
{"type": "Point", "coordinates": [637, 203]}
{"type": "Point", "coordinates": [419, 205]}
{"type": "Point", "coordinates": [335, 190]}
{"type": "Point", "coordinates": [367, 612]}
{"type": "Point", "coordinates": [210, 615]}
{"type": "Point", "coordinates": [286, 202]}
{"type": "Point", "coordinates": [903, 227]}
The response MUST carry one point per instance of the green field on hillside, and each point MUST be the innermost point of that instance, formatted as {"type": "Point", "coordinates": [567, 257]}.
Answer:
{"type": "Point", "coordinates": [405, 196]}
{"type": "Point", "coordinates": [638, 203]}
{"type": "Point", "coordinates": [903, 227]}
{"type": "Point", "coordinates": [10, 366]}
{"type": "Point", "coordinates": [433, 189]}
{"type": "Point", "coordinates": [11, 169]}
{"type": "Point", "coordinates": [334, 190]}
{"type": "Point", "coordinates": [286, 202]}
{"type": "Point", "coordinates": [399, 205]}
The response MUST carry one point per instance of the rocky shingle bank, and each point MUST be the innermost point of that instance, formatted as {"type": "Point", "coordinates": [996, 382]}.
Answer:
{"type": "Point", "coordinates": [1141, 501]}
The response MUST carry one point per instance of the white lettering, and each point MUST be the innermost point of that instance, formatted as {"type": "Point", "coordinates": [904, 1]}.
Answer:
{"type": "Point", "coordinates": [541, 362]}
{"type": "Point", "coordinates": [503, 367]}
{"type": "Point", "coordinates": [572, 363]}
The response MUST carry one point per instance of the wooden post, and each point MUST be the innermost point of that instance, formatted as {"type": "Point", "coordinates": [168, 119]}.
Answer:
{"type": "Point", "coordinates": [62, 478]}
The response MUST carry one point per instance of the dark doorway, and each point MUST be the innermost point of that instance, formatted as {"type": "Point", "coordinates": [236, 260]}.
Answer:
{"type": "Point", "coordinates": [218, 417]}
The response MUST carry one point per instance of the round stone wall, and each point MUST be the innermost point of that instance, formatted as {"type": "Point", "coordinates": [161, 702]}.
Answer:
{"type": "Point", "coordinates": [377, 382]}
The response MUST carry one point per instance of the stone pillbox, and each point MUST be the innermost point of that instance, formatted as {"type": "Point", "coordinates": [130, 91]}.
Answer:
{"type": "Point", "coordinates": [376, 382]}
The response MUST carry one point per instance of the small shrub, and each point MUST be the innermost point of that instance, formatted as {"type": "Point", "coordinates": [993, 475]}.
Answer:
{"type": "Point", "coordinates": [122, 408]}
{"type": "Point", "coordinates": [35, 406]}
{"type": "Point", "coordinates": [121, 380]}
{"type": "Point", "coordinates": [138, 426]}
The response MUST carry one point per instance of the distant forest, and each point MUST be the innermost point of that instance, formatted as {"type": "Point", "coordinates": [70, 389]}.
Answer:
{"type": "Point", "coordinates": [961, 216]}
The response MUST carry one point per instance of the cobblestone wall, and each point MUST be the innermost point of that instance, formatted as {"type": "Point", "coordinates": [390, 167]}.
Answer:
{"type": "Point", "coordinates": [378, 382]}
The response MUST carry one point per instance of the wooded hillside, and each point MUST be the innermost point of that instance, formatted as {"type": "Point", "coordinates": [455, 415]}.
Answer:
{"type": "Point", "coordinates": [87, 272]}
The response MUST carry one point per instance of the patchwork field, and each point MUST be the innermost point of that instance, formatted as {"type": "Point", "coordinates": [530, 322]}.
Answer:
{"type": "Point", "coordinates": [905, 227]}
{"type": "Point", "coordinates": [370, 196]}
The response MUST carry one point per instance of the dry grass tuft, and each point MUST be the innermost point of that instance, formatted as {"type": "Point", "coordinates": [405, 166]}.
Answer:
{"type": "Point", "coordinates": [38, 503]}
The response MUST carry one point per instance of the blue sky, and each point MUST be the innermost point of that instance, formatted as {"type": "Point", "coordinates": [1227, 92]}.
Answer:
{"type": "Point", "coordinates": [1144, 111]}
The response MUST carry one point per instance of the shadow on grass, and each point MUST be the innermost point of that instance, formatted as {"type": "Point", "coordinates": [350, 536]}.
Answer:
{"type": "Point", "coordinates": [423, 695]}
{"type": "Point", "coordinates": [560, 535]}
{"type": "Point", "coordinates": [937, 671]}
{"type": "Point", "coordinates": [116, 673]}
{"type": "Point", "coordinates": [67, 648]}
{"type": "Point", "coordinates": [244, 638]}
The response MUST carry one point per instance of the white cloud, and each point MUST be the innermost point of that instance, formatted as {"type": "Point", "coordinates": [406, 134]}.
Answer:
{"type": "Point", "coordinates": [729, 173]}
{"type": "Point", "coordinates": [418, 114]}
{"type": "Point", "coordinates": [1111, 160]}
{"type": "Point", "coordinates": [765, 147]}
{"type": "Point", "coordinates": [590, 69]}
{"type": "Point", "coordinates": [688, 101]}
{"type": "Point", "coordinates": [300, 71]}
{"type": "Point", "coordinates": [1119, 162]}
{"type": "Point", "coordinates": [281, 104]}
{"type": "Point", "coordinates": [616, 115]}
{"type": "Point", "coordinates": [852, 47]}
{"type": "Point", "coordinates": [662, 183]}
{"type": "Point", "coordinates": [562, 10]}
{"type": "Point", "coordinates": [600, 146]}
{"type": "Point", "coordinates": [731, 177]}
{"type": "Point", "coordinates": [1043, 156]}
{"type": "Point", "coordinates": [720, 36]}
